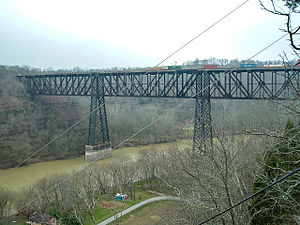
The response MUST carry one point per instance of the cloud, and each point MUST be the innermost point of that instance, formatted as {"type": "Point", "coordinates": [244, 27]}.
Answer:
{"type": "Point", "coordinates": [130, 33]}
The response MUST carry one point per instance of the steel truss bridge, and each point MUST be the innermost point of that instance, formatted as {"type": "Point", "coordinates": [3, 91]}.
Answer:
{"type": "Point", "coordinates": [202, 85]}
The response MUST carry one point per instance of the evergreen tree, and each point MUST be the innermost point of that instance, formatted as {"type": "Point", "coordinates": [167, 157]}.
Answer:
{"type": "Point", "coordinates": [279, 205]}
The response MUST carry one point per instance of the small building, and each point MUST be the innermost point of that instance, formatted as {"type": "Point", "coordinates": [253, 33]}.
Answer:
{"type": "Point", "coordinates": [120, 197]}
{"type": "Point", "coordinates": [42, 219]}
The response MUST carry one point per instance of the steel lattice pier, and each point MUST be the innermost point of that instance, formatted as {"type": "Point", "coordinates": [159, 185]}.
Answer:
{"type": "Point", "coordinates": [98, 126]}
{"type": "Point", "coordinates": [202, 140]}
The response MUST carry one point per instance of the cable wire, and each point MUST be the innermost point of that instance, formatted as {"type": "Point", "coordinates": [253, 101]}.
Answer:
{"type": "Point", "coordinates": [144, 128]}
{"type": "Point", "coordinates": [59, 135]}
{"type": "Point", "coordinates": [203, 32]}
{"type": "Point", "coordinates": [169, 56]}
{"type": "Point", "coordinates": [253, 195]}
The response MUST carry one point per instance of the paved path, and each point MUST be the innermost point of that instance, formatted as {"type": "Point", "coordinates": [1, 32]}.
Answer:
{"type": "Point", "coordinates": [161, 198]}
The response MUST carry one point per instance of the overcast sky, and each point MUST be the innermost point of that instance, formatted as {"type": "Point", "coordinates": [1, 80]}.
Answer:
{"type": "Point", "coordinates": [100, 34]}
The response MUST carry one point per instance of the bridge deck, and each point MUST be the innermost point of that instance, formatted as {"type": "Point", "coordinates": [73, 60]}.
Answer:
{"type": "Point", "coordinates": [242, 83]}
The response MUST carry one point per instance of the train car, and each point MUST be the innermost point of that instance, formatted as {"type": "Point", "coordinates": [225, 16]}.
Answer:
{"type": "Point", "coordinates": [155, 69]}
{"type": "Point", "coordinates": [210, 66]}
{"type": "Point", "coordinates": [250, 65]}
{"type": "Point", "coordinates": [273, 66]}
{"type": "Point", "coordinates": [174, 67]}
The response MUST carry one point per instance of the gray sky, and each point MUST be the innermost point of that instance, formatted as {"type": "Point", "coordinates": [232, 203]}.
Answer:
{"type": "Point", "coordinates": [100, 34]}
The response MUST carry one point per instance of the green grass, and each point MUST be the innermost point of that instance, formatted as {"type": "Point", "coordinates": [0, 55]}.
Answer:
{"type": "Point", "coordinates": [149, 214]}
{"type": "Point", "coordinates": [102, 214]}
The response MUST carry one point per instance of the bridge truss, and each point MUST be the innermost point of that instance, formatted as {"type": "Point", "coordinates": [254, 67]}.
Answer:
{"type": "Point", "coordinates": [202, 85]}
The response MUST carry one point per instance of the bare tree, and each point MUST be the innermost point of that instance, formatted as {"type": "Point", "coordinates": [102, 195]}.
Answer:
{"type": "Point", "coordinates": [209, 182]}
{"type": "Point", "coordinates": [85, 194]}
{"type": "Point", "coordinates": [286, 8]}
{"type": "Point", "coordinates": [280, 204]}
{"type": "Point", "coordinates": [27, 202]}
{"type": "Point", "coordinates": [6, 201]}
{"type": "Point", "coordinates": [123, 174]}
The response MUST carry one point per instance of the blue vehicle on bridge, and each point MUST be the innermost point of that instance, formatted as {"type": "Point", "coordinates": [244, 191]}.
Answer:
{"type": "Point", "coordinates": [250, 65]}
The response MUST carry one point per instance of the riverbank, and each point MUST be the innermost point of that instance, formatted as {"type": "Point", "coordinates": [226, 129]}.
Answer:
{"type": "Point", "coordinates": [21, 177]}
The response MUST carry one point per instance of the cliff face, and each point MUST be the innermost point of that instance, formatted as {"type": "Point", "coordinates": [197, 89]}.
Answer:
{"type": "Point", "coordinates": [27, 123]}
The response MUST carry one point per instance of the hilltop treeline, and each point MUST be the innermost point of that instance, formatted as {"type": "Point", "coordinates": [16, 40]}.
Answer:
{"type": "Point", "coordinates": [195, 62]}
{"type": "Point", "coordinates": [236, 62]}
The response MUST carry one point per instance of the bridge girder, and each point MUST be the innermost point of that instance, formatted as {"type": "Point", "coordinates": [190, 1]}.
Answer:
{"type": "Point", "coordinates": [259, 83]}
{"type": "Point", "coordinates": [203, 85]}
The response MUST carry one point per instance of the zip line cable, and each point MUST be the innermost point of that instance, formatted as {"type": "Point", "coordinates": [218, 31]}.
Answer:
{"type": "Point", "coordinates": [58, 136]}
{"type": "Point", "coordinates": [203, 32]}
{"type": "Point", "coordinates": [179, 49]}
{"type": "Point", "coordinates": [144, 128]}
{"type": "Point", "coordinates": [253, 195]}
{"type": "Point", "coordinates": [106, 154]}
{"type": "Point", "coordinates": [54, 139]}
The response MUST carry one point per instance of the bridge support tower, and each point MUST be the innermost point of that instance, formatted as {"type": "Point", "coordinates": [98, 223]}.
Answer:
{"type": "Point", "coordinates": [202, 140]}
{"type": "Point", "coordinates": [99, 145]}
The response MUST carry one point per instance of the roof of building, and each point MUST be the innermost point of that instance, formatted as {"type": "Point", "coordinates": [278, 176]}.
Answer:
{"type": "Point", "coordinates": [41, 218]}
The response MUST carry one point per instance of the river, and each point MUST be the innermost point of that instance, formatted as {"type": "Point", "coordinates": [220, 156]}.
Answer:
{"type": "Point", "coordinates": [19, 178]}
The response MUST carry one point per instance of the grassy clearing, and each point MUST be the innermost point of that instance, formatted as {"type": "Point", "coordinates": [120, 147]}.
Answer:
{"type": "Point", "coordinates": [150, 214]}
{"type": "Point", "coordinates": [105, 208]}
{"type": "Point", "coordinates": [22, 177]}
{"type": "Point", "coordinates": [112, 206]}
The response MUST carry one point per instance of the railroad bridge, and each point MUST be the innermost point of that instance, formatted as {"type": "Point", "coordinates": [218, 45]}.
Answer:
{"type": "Point", "coordinates": [202, 85]}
